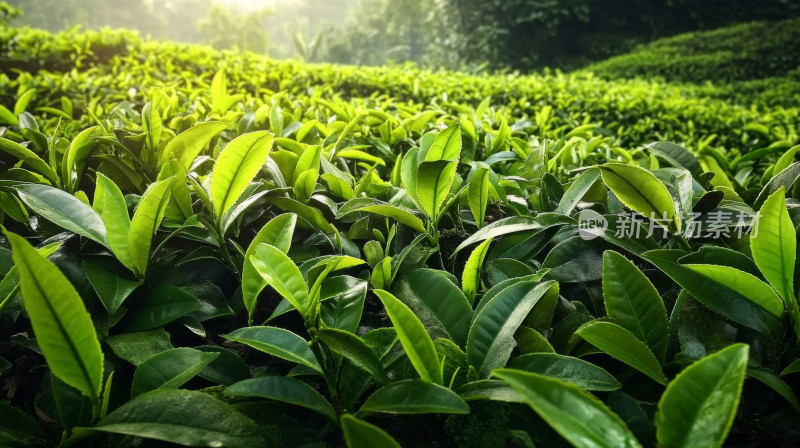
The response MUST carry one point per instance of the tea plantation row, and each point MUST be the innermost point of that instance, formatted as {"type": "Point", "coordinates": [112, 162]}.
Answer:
{"type": "Point", "coordinates": [217, 249]}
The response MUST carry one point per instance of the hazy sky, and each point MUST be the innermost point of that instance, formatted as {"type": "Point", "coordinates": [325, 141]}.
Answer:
{"type": "Point", "coordinates": [254, 4]}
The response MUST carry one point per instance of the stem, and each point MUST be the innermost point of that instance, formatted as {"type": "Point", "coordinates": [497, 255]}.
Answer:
{"type": "Point", "coordinates": [323, 352]}
{"type": "Point", "coordinates": [795, 316]}
{"type": "Point", "coordinates": [682, 241]}
{"type": "Point", "coordinates": [7, 300]}
{"type": "Point", "coordinates": [433, 233]}
{"type": "Point", "coordinates": [441, 260]}
{"type": "Point", "coordinates": [227, 256]}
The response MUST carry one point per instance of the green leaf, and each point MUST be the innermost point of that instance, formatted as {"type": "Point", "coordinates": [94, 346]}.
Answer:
{"type": "Point", "coordinates": [276, 119]}
{"type": "Point", "coordinates": [785, 179]}
{"type": "Point", "coordinates": [381, 277]}
{"type": "Point", "coordinates": [342, 303]}
{"type": "Point", "coordinates": [138, 347]}
{"type": "Point", "coordinates": [179, 208]}
{"type": "Point", "coordinates": [568, 369]}
{"type": "Point", "coordinates": [64, 210]}
{"type": "Point", "coordinates": [718, 297]}
{"type": "Point", "coordinates": [577, 189]}
{"type": "Point", "coordinates": [621, 344]}
{"type": "Point", "coordinates": [360, 155]}
{"type": "Point", "coordinates": [513, 224]}
{"type": "Point", "coordinates": [794, 367]}
{"type": "Point", "coordinates": [531, 341]}
{"type": "Point", "coordinates": [73, 163]}
{"type": "Point", "coordinates": [746, 284]}
{"type": "Point", "coordinates": [775, 383]}
{"type": "Point", "coordinates": [306, 173]}
{"type": "Point", "coordinates": [8, 117]}
{"type": "Point", "coordinates": [471, 277]}
{"type": "Point", "coordinates": [489, 390]}
{"type": "Point", "coordinates": [13, 208]}
{"type": "Point", "coordinates": [700, 331]}
{"type": "Point", "coordinates": [578, 416]}
{"type": "Point", "coordinates": [327, 265]}
{"type": "Point", "coordinates": [169, 370]}
{"type": "Point", "coordinates": [786, 159]}
{"type": "Point", "coordinates": [309, 160]}
{"type": "Point", "coordinates": [677, 156]}
{"type": "Point", "coordinates": [575, 260]}
{"type": "Point", "coordinates": [437, 301]}
{"type": "Point", "coordinates": [22, 104]}
{"type": "Point", "coordinates": [161, 306]}
{"type": "Point", "coordinates": [699, 405]}
{"type": "Point", "coordinates": [642, 192]}
{"type": "Point", "coordinates": [277, 342]}
{"type": "Point", "coordinates": [399, 214]}
{"type": "Point", "coordinates": [236, 166]}
{"type": "Point", "coordinates": [354, 349]}
{"type": "Point", "coordinates": [145, 222]}
{"type": "Point", "coordinates": [360, 434]}
{"type": "Point", "coordinates": [408, 174]}
{"type": "Point", "coordinates": [64, 330]}
{"type": "Point", "coordinates": [304, 187]}
{"type": "Point", "coordinates": [308, 214]}
{"type": "Point", "coordinates": [414, 338]}
{"type": "Point", "coordinates": [287, 390]}
{"type": "Point", "coordinates": [183, 417]}
{"type": "Point", "coordinates": [18, 428]}
{"type": "Point", "coordinates": [110, 288]}
{"type": "Point", "coordinates": [226, 369]}
{"type": "Point", "coordinates": [29, 158]}
{"type": "Point", "coordinates": [74, 408]}
{"type": "Point", "coordinates": [491, 338]}
{"type": "Point", "coordinates": [414, 397]}
{"type": "Point", "coordinates": [433, 183]}
{"type": "Point", "coordinates": [220, 101]}
{"type": "Point", "coordinates": [187, 145]}
{"type": "Point", "coordinates": [633, 303]}
{"type": "Point", "coordinates": [9, 286]}
{"type": "Point", "coordinates": [280, 272]}
{"type": "Point", "coordinates": [446, 145]}
{"type": "Point", "coordinates": [478, 194]}
{"type": "Point", "coordinates": [151, 122]}
{"type": "Point", "coordinates": [338, 186]}
{"type": "Point", "coordinates": [502, 136]}
{"type": "Point", "coordinates": [774, 247]}
{"type": "Point", "coordinates": [720, 177]}
{"type": "Point", "coordinates": [278, 233]}
{"type": "Point", "coordinates": [109, 203]}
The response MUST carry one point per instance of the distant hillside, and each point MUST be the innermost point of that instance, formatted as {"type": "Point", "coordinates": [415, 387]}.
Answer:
{"type": "Point", "coordinates": [743, 52]}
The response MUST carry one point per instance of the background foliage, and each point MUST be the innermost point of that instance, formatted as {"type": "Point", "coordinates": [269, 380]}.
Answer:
{"type": "Point", "coordinates": [516, 34]}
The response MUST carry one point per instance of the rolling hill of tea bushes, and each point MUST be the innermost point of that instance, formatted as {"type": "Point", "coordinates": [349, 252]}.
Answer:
{"type": "Point", "coordinates": [210, 248]}
{"type": "Point", "coordinates": [754, 62]}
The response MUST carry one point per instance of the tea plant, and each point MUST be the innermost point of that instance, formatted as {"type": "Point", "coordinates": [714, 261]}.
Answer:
{"type": "Point", "coordinates": [215, 249]}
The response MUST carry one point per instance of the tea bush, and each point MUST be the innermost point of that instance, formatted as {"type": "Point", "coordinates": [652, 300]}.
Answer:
{"type": "Point", "coordinates": [749, 63]}
{"type": "Point", "coordinates": [216, 249]}
{"type": "Point", "coordinates": [738, 53]}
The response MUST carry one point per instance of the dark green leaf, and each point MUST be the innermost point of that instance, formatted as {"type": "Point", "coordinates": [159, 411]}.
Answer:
{"type": "Point", "coordinates": [578, 416]}
{"type": "Point", "coordinates": [699, 405]}
{"type": "Point", "coordinates": [183, 417]}
{"type": "Point", "coordinates": [169, 369]}
{"type": "Point", "coordinates": [414, 397]}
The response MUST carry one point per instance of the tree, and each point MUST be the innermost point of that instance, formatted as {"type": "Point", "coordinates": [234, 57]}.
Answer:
{"type": "Point", "coordinates": [8, 12]}
{"type": "Point", "coordinates": [235, 31]}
